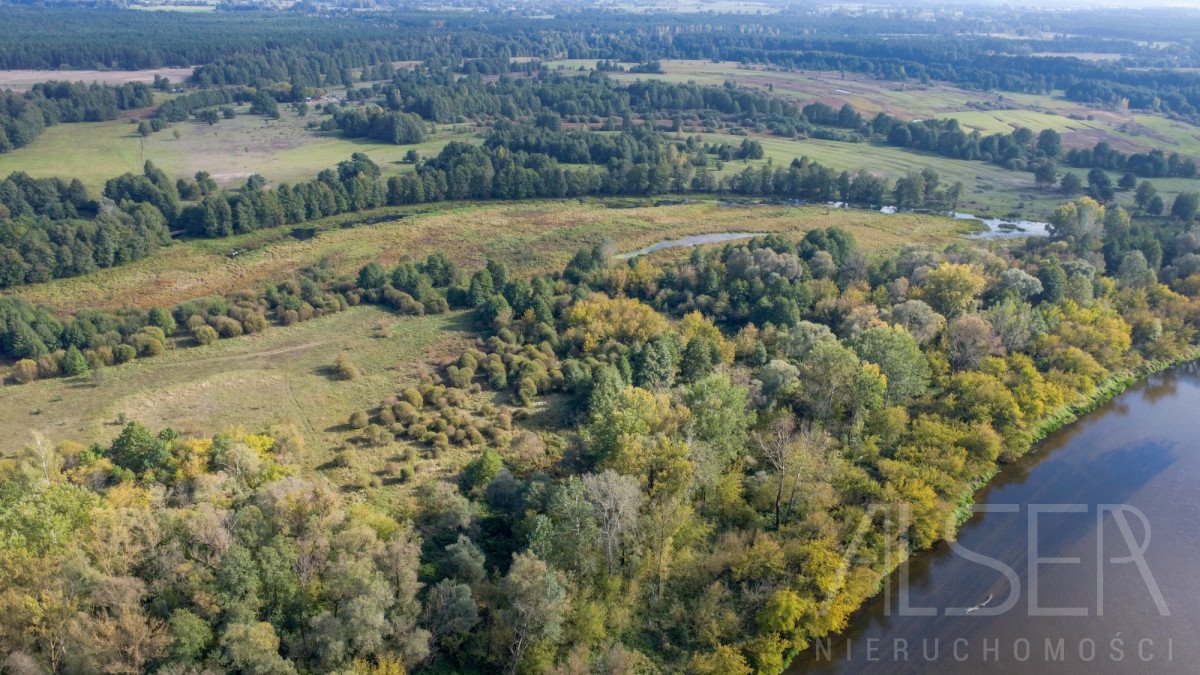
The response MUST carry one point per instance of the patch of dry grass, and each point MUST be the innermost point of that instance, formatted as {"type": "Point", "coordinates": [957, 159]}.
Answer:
{"type": "Point", "coordinates": [277, 377]}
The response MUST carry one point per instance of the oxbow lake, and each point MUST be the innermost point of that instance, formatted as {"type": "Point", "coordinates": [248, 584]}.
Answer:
{"type": "Point", "coordinates": [997, 228]}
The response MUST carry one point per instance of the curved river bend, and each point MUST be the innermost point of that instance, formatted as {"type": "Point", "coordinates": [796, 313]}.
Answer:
{"type": "Point", "coordinates": [1080, 496]}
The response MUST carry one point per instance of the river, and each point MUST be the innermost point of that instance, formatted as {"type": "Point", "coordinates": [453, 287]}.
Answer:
{"type": "Point", "coordinates": [1140, 451]}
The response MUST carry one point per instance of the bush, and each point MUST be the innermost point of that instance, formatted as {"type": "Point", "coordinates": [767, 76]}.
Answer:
{"type": "Point", "coordinates": [527, 391]}
{"type": "Point", "coordinates": [376, 434]}
{"type": "Point", "coordinates": [404, 412]}
{"type": "Point", "coordinates": [149, 341]}
{"type": "Point", "coordinates": [124, 353]}
{"type": "Point", "coordinates": [25, 371]}
{"type": "Point", "coordinates": [163, 320]}
{"type": "Point", "coordinates": [49, 365]}
{"type": "Point", "coordinates": [205, 335]}
{"type": "Point", "coordinates": [386, 416]}
{"type": "Point", "coordinates": [344, 368]}
{"type": "Point", "coordinates": [254, 323]}
{"type": "Point", "coordinates": [359, 420]}
{"type": "Point", "coordinates": [413, 397]}
{"type": "Point", "coordinates": [460, 377]}
{"type": "Point", "coordinates": [347, 459]}
{"type": "Point", "coordinates": [497, 375]}
{"type": "Point", "coordinates": [482, 470]}
{"type": "Point", "coordinates": [226, 326]}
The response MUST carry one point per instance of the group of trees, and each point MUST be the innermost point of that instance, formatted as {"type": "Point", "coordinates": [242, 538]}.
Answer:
{"type": "Point", "coordinates": [378, 124]}
{"type": "Point", "coordinates": [51, 229]}
{"type": "Point", "coordinates": [352, 186]}
{"type": "Point", "coordinates": [946, 137]}
{"type": "Point", "coordinates": [46, 345]}
{"type": "Point", "coordinates": [598, 97]}
{"type": "Point", "coordinates": [177, 109]}
{"type": "Point", "coordinates": [24, 116]}
{"type": "Point", "coordinates": [1153, 164]}
{"type": "Point", "coordinates": [199, 208]}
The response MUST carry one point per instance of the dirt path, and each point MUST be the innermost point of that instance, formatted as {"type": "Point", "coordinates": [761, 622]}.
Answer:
{"type": "Point", "coordinates": [254, 355]}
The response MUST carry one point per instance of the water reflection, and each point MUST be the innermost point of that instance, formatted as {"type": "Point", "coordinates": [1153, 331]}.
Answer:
{"type": "Point", "coordinates": [1139, 450]}
{"type": "Point", "coordinates": [694, 240]}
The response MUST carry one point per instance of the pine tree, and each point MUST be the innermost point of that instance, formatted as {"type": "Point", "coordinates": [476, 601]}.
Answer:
{"type": "Point", "coordinates": [73, 362]}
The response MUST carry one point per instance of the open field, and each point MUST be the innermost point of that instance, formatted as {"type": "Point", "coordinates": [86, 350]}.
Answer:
{"type": "Point", "coordinates": [231, 150]}
{"type": "Point", "coordinates": [529, 236]}
{"type": "Point", "coordinates": [176, 8]}
{"type": "Point", "coordinates": [1079, 124]}
{"type": "Point", "coordinates": [865, 94]}
{"type": "Point", "coordinates": [989, 189]}
{"type": "Point", "coordinates": [277, 377]}
{"type": "Point", "coordinates": [21, 80]}
{"type": "Point", "coordinates": [1084, 56]}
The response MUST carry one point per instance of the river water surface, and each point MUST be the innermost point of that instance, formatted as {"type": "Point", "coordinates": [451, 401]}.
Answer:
{"type": "Point", "coordinates": [1141, 450]}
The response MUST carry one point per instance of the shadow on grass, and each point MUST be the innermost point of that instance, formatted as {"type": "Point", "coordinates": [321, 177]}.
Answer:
{"type": "Point", "coordinates": [332, 373]}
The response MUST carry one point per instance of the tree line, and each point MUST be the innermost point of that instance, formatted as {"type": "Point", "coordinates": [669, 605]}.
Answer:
{"type": "Point", "coordinates": [24, 116]}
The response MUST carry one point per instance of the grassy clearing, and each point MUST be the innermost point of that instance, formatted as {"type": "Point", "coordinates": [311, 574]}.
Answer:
{"type": "Point", "coordinates": [1005, 121]}
{"type": "Point", "coordinates": [990, 190]}
{"type": "Point", "coordinates": [21, 80]}
{"type": "Point", "coordinates": [1080, 125]}
{"type": "Point", "coordinates": [277, 377]}
{"type": "Point", "coordinates": [868, 95]}
{"type": "Point", "coordinates": [283, 150]}
{"type": "Point", "coordinates": [530, 236]}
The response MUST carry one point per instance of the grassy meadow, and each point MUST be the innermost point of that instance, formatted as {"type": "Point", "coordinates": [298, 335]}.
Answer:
{"type": "Point", "coordinates": [22, 80]}
{"type": "Point", "coordinates": [1079, 124]}
{"type": "Point", "coordinates": [231, 150]}
{"type": "Point", "coordinates": [281, 376]}
{"type": "Point", "coordinates": [529, 236]}
{"type": "Point", "coordinates": [989, 189]}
